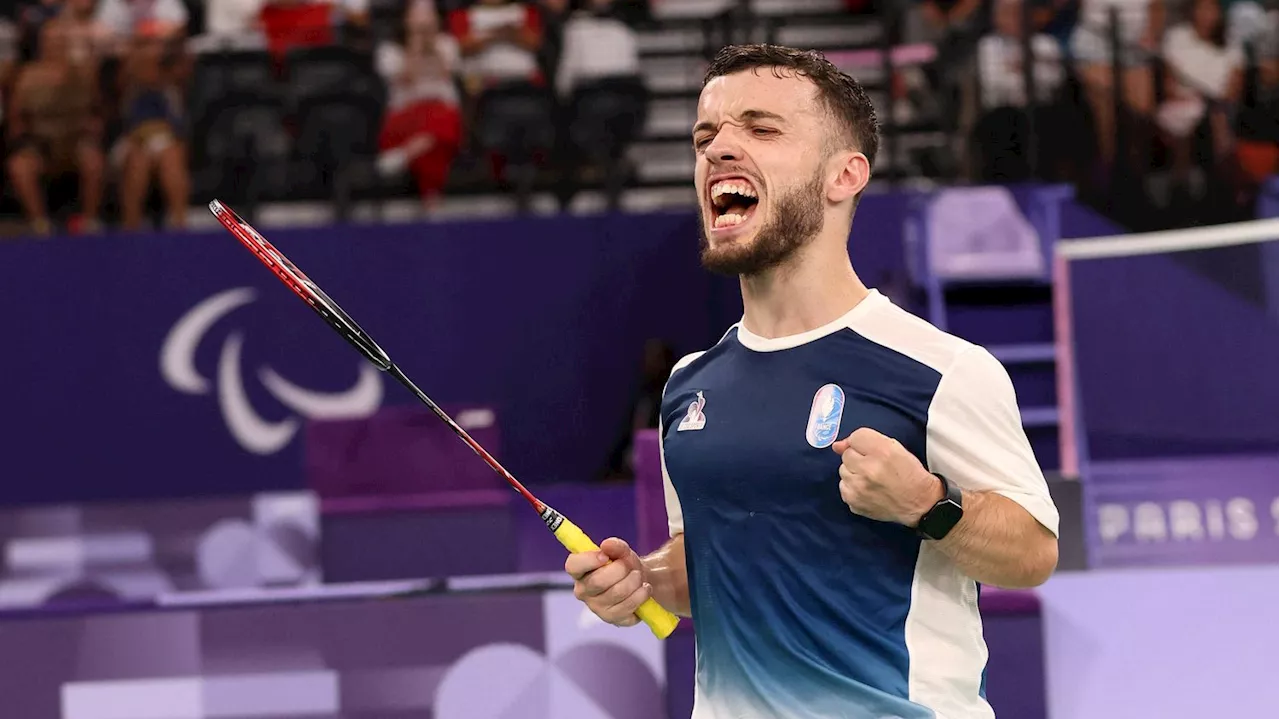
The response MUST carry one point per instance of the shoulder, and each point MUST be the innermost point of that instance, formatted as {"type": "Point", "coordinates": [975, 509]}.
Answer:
{"type": "Point", "coordinates": [894, 328]}
{"type": "Point", "coordinates": [686, 361]}
{"type": "Point", "coordinates": [689, 363]}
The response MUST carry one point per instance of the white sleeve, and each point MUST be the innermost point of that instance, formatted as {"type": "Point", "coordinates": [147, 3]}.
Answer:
{"type": "Point", "coordinates": [566, 72]}
{"type": "Point", "coordinates": [389, 60]}
{"type": "Point", "coordinates": [675, 515]}
{"type": "Point", "coordinates": [976, 439]}
{"type": "Point", "coordinates": [172, 11]}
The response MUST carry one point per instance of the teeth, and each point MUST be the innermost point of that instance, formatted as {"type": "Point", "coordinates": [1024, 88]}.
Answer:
{"type": "Point", "coordinates": [736, 187]}
{"type": "Point", "coordinates": [730, 220]}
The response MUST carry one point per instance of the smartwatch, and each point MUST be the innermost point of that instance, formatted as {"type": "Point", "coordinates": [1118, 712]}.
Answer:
{"type": "Point", "coordinates": [943, 516]}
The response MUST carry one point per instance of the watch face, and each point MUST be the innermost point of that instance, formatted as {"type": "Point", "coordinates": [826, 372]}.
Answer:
{"type": "Point", "coordinates": [939, 521]}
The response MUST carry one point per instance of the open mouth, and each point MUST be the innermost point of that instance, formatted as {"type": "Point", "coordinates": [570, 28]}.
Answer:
{"type": "Point", "coordinates": [733, 202]}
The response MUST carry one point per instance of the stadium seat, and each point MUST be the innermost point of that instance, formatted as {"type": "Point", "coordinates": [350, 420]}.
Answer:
{"type": "Point", "coordinates": [514, 120]}
{"type": "Point", "coordinates": [244, 154]}
{"type": "Point", "coordinates": [337, 144]}
{"type": "Point", "coordinates": [604, 118]}
{"type": "Point", "coordinates": [217, 74]}
{"type": "Point", "coordinates": [319, 70]}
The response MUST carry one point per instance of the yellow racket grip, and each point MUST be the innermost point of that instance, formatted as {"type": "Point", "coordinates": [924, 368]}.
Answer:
{"type": "Point", "coordinates": [659, 619]}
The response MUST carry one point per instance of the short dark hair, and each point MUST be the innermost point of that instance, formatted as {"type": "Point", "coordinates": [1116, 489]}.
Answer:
{"type": "Point", "coordinates": [843, 96]}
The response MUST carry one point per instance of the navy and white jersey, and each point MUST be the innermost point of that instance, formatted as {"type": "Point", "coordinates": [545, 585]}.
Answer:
{"type": "Point", "coordinates": [802, 608]}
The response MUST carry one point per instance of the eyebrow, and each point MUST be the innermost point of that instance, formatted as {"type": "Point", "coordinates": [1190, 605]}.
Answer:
{"type": "Point", "coordinates": [743, 117]}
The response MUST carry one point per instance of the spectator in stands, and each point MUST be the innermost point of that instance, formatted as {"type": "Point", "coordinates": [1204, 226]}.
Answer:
{"type": "Point", "coordinates": [1204, 82]}
{"type": "Point", "coordinates": [603, 96]}
{"type": "Point", "coordinates": [500, 40]}
{"type": "Point", "coordinates": [9, 43]}
{"type": "Point", "coordinates": [506, 106]}
{"type": "Point", "coordinates": [423, 126]}
{"type": "Point", "coordinates": [1140, 28]}
{"type": "Point", "coordinates": [597, 45]}
{"type": "Point", "coordinates": [152, 138]}
{"type": "Point", "coordinates": [1002, 127]}
{"type": "Point", "coordinates": [1246, 21]}
{"type": "Point", "coordinates": [1056, 18]}
{"type": "Point", "coordinates": [89, 38]}
{"type": "Point", "coordinates": [31, 19]}
{"type": "Point", "coordinates": [1258, 136]}
{"type": "Point", "coordinates": [1001, 67]}
{"type": "Point", "coordinates": [55, 129]}
{"type": "Point", "coordinates": [937, 90]}
{"type": "Point", "coordinates": [552, 16]}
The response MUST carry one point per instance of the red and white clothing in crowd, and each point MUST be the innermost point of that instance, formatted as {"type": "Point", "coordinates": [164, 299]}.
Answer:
{"type": "Point", "coordinates": [499, 60]}
{"type": "Point", "coordinates": [423, 126]}
{"type": "Point", "coordinates": [306, 23]}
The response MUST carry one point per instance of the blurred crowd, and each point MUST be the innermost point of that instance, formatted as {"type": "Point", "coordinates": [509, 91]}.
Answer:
{"type": "Point", "coordinates": [127, 109]}
{"type": "Point", "coordinates": [139, 95]}
{"type": "Point", "coordinates": [1158, 105]}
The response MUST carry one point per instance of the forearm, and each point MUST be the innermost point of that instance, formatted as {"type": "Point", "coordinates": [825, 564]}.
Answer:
{"type": "Point", "coordinates": [998, 543]}
{"type": "Point", "coordinates": [1155, 21]}
{"type": "Point", "coordinates": [666, 572]}
{"type": "Point", "coordinates": [963, 9]}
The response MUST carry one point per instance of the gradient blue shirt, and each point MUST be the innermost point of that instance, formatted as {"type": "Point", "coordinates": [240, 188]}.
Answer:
{"type": "Point", "coordinates": [802, 608]}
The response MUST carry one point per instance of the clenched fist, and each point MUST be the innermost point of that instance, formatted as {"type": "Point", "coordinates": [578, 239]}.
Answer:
{"type": "Point", "coordinates": [610, 582]}
{"type": "Point", "coordinates": [880, 479]}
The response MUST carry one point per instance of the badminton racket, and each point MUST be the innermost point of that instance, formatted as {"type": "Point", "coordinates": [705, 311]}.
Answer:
{"type": "Point", "coordinates": [660, 621]}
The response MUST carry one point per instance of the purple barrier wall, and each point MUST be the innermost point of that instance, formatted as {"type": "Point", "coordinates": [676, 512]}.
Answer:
{"type": "Point", "coordinates": [466, 534]}
{"type": "Point", "coordinates": [471, 655]}
{"type": "Point", "coordinates": [155, 366]}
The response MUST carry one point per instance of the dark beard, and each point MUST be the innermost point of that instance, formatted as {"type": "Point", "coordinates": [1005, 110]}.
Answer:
{"type": "Point", "coordinates": [798, 219]}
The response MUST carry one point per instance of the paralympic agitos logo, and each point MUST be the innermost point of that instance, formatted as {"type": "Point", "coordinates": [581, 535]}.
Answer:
{"type": "Point", "coordinates": [250, 430]}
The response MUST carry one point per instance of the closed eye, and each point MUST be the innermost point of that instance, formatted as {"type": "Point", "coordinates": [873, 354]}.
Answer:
{"type": "Point", "coordinates": [763, 131]}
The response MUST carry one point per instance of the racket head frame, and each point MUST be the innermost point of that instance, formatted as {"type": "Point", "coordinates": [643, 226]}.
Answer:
{"type": "Point", "coordinates": [297, 280]}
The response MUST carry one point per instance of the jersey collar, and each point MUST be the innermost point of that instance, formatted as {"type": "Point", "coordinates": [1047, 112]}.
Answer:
{"type": "Point", "coordinates": [763, 344]}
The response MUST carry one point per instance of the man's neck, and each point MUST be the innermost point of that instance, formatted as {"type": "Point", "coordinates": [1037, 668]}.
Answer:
{"type": "Point", "coordinates": [817, 286]}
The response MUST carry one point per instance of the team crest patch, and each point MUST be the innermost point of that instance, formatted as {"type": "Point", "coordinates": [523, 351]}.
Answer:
{"type": "Point", "coordinates": [694, 418]}
{"type": "Point", "coordinates": [824, 416]}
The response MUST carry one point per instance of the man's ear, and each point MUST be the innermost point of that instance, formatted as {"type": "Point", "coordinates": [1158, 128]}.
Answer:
{"type": "Point", "coordinates": [852, 173]}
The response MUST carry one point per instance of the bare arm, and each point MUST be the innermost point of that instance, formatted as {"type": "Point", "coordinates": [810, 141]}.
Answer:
{"type": "Point", "coordinates": [1007, 534]}
{"type": "Point", "coordinates": [998, 543]}
{"type": "Point", "coordinates": [17, 103]}
{"type": "Point", "coordinates": [1155, 25]}
{"type": "Point", "coordinates": [666, 572]}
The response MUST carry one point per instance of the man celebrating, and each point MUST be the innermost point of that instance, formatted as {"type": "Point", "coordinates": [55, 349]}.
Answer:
{"type": "Point", "coordinates": [840, 474]}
